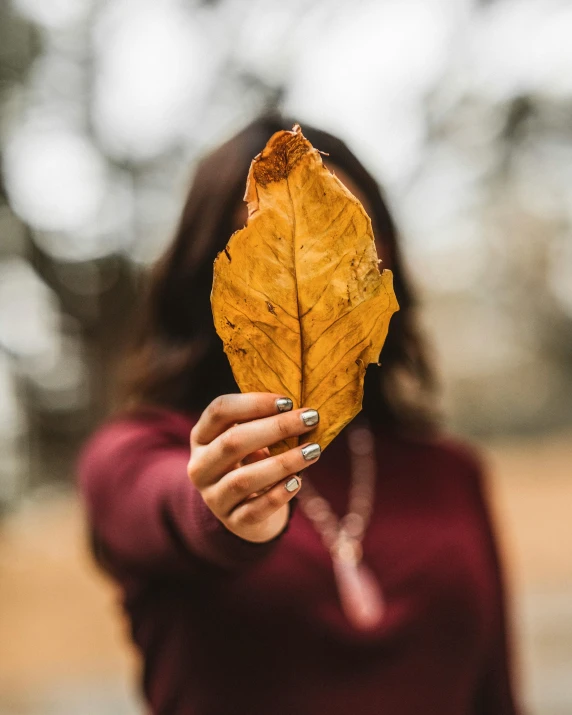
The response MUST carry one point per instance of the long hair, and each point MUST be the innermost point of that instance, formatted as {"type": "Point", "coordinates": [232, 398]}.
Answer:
{"type": "Point", "coordinates": [178, 361]}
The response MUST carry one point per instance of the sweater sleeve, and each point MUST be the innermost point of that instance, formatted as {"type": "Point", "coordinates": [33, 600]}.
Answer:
{"type": "Point", "coordinates": [144, 512]}
{"type": "Point", "coordinates": [495, 691]}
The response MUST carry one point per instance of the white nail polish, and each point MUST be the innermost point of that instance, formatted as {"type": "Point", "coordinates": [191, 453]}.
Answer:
{"type": "Point", "coordinates": [292, 484]}
{"type": "Point", "coordinates": [284, 404]}
{"type": "Point", "coordinates": [311, 451]}
{"type": "Point", "coordinates": [310, 418]}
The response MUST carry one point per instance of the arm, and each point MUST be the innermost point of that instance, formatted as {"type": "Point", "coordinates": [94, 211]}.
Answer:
{"type": "Point", "coordinates": [495, 690]}
{"type": "Point", "coordinates": [151, 506]}
{"type": "Point", "coordinates": [145, 512]}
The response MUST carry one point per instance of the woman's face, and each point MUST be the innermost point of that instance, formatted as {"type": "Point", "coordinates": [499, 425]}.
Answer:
{"type": "Point", "coordinates": [241, 213]}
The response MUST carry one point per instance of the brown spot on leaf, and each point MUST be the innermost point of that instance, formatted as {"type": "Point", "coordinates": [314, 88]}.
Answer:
{"type": "Point", "coordinates": [283, 151]}
{"type": "Point", "coordinates": [271, 308]}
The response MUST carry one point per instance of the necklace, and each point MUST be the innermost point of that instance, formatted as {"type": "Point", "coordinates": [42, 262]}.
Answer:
{"type": "Point", "coordinates": [360, 595]}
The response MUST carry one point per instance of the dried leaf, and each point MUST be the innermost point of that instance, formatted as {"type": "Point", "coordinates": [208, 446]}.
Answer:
{"type": "Point", "coordinates": [298, 299]}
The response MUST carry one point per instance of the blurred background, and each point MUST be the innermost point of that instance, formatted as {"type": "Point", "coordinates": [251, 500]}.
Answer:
{"type": "Point", "coordinates": [461, 109]}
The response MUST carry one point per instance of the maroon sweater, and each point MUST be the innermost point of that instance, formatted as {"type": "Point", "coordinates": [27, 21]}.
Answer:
{"type": "Point", "coordinates": [231, 627]}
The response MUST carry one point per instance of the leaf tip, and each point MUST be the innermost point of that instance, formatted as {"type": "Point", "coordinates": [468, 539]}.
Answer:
{"type": "Point", "coordinates": [280, 155]}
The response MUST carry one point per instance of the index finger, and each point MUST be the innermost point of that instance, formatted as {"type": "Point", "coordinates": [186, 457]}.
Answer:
{"type": "Point", "coordinates": [226, 410]}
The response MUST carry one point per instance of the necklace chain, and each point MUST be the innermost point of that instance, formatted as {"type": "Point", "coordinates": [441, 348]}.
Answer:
{"type": "Point", "coordinates": [343, 537]}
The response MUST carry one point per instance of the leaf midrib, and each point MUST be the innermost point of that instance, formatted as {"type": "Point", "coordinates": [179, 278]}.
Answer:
{"type": "Point", "coordinates": [301, 393]}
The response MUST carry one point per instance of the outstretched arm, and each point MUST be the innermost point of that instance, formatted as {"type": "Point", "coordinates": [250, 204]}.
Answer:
{"type": "Point", "coordinates": [149, 507]}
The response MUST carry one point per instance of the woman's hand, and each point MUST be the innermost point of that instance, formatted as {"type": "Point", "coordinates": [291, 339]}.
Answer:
{"type": "Point", "coordinates": [244, 487]}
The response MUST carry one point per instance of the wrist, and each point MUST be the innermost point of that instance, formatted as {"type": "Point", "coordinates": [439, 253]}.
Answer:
{"type": "Point", "coordinates": [269, 529]}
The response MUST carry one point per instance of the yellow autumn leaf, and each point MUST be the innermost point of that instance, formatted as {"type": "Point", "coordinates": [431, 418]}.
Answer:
{"type": "Point", "coordinates": [298, 298]}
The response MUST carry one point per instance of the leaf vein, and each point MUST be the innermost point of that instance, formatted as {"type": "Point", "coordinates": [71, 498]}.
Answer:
{"type": "Point", "coordinates": [235, 307]}
{"type": "Point", "coordinates": [340, 317]}
{"type": "Point", "coordinates": [338, 362]}
{"type": "Point", "coordinates": [325, 402]}
{"type": "Point", "coordinates": [288, 391]}
{"type": "Point", "coordinates": [251, 288]}
{"type": "Point", "coordinates": [327, 283]}
{"type": "Point", "coordinates": [328, 229]}
{"type": "Point", "coordinates": [256, 324]}
{"type": "Point", "coordinates": [273, 251]}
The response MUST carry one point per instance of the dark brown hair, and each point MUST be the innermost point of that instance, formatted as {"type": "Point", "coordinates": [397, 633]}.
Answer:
{"type": "Point", "coordinates": [178, 359]}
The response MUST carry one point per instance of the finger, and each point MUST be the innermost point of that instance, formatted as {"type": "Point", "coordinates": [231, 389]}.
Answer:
{"type": "Point", "coordinates": [236, 486]}
{"type": "Point", "coordinates": [256, 456]}
{"type": "Point", "coordinates": [220, 456]}
{"type": "Point", "coordinates": [251, 459]}
{"type": "Point", "coordinates": [226, 410]}
{"type": "Point", "coordinates": [255, 511]}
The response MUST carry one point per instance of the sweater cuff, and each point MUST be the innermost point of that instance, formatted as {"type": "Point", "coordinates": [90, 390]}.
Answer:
{"type": "Point", "coordinates": [209, 539]}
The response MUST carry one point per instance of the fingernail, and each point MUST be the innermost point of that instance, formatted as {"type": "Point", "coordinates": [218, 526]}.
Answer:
{"type": "Point", "coordinates": [311, 451]}
{"type": "Point", "coordinates": [284, 404]}
{"type": "Point", "coordinates": [310, 418]}
{"type": "Point", "coordinates": [292, 484]}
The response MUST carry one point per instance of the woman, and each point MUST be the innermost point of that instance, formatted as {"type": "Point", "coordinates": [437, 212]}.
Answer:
{"type": "Point", "coordinates": [237, 597]}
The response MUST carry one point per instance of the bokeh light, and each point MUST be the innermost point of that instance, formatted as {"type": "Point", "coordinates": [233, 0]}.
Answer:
{"type": "Point", "coordinates": [55, 178]}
